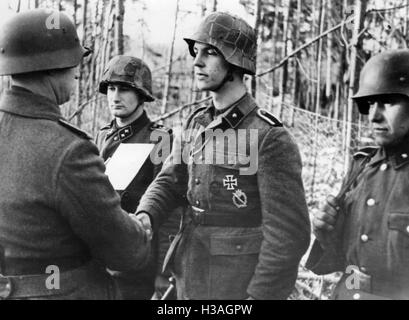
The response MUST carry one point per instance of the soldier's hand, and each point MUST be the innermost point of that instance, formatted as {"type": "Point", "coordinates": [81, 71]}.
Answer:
{"type": "Point", "coordinates": [144, 221]}
{"type": "Point", "coordinates": [324, 220]}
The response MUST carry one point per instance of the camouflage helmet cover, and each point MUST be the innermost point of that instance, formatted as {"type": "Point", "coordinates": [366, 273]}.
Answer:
{"type": "Point", "coordinates": [384, 74]}
{"type": "Point", "coordinates": [37, 40]}
{"type": "Point", "coordinates": [130, 71]}
{"type": "Point", "coordinates": [232, 36]}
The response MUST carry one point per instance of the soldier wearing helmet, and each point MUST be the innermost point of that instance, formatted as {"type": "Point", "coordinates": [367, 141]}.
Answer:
{"type": "Point", "coordinates": [127, 83]}
{"type": "Point", "coordinates": [61, 224]}
{"type": "Point", "coordinates": [247, 225]}
{"type": "Point", "coordinates": [364, 230]}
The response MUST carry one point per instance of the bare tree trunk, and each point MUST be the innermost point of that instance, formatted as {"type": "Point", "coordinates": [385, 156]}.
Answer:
{"type": "Point", "coordinates": [203, 7]}
{"type": "Point", "coordinates": [256, 28]}
{"type": "Point", "coordinates": [329, 55]}
{"type": "Point", "coordinates": [119, 27]}
{"type": "Point", "coordinates": [318, 98]}
{"type": "Point", "coordinates": [98, 63]}
{"type": "Point", "coordinates": [214, 5]}
{"type": "Point", "coordinates": [81, 67]}
{"type": "Point", "coordinates": [274, 34]}
{"type": "Point", "coordinates": [110, 23]}
{"type": "Point", "coordinates": [359, 11]}
{"type": "Point", "coordinates": [297, 80]}
{"type": "Point", "coordinates": [337, 101]}
{"type": "Point", "coordinates": [319, 58]}
{"type": "Point", "coordinates": [170, 62]}
{"type": "Point", "coordinates": [407, 24]}
{"type": "Point", "coordinates": [312, 90]}
{"type": "Point", "coordinates": [284, 74]}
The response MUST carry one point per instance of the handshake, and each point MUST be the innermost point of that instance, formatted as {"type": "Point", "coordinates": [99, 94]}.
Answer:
{"type": "Point", "coordinates": [144, 221]}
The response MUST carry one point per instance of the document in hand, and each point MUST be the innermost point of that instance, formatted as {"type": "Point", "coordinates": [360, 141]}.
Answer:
{"type": "Point", "coordinates": [126, 162]}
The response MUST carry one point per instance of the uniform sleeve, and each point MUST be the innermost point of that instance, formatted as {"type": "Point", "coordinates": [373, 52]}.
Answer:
{"type": "Point", "coordinates": [331, 259]}
{"type": "Point", "coordinates": [286, 225]}
{"type": "Point", "coordinates": [168, 190]}
{"type": "Point", "coordinates": [88, 201]}
{"type": "Point", "coordinates": [98, 140]}
{"type": "Point", "coordinates": [168, 229]}
{"type": "Point", "coordinates": [324, 261]}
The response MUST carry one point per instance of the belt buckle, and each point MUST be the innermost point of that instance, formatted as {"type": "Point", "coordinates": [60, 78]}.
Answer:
{"type": "Point", "coordinates": [6, 287]}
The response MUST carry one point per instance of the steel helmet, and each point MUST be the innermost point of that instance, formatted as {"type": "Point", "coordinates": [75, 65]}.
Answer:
{"type": "Point", "coordinates": [232, 36]}
{"type": "Point", "coordinates": [385, 73]}
{"type": "Point", "coordinates": [37, 40]}
{"type": "Point", "coordinates": [130, 71]}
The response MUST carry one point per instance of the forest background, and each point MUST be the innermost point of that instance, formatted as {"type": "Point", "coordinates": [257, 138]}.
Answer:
{"type": "Point", "coordinates": [310, 55]}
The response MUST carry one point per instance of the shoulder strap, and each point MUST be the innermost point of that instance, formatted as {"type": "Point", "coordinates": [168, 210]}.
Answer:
{"type": "Point", "coordinates": [156, 126]}
{"type": "Point", "coordinates": [269, 117]}
{"type": "Point", "coordinates": [74, 129]}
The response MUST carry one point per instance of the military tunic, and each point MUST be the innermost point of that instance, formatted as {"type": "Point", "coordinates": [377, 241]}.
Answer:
{"type": "Point", "coordinates": [246, 233]}
{"type": "Point", "coordinates": [57, 206]}
{"type": "Point", "coordinates": [372, 237]}
{"type": "Point", "coordinates": [140, 285]}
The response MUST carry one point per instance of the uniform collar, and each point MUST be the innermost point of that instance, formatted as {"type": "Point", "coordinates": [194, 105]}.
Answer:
{"type": "Point", "coordinates": [25, 103]}
{"type": "Point", "coordinates": [399, 156]}
{"type": "Point", "coordinates": [379, 157]}
{"type": "Point", "coordinates": [129, 130]}
{"type": "Point", "coordinates": [233, 116]}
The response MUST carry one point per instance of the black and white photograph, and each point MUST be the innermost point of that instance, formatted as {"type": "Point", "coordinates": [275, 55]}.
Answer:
{"type": "Point", "coordinates": [220, 151]}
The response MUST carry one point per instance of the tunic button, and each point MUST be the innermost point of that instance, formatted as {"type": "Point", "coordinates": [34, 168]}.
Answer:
{"type": "Point", "coordinates": [357, 296]}
{"type": "Point", "coordinates": [198, 203]}
{"type": "Point", "coordinates": [405, 156]}
{"type": "Point", "coordinates": [384, 167]}
{"type": "Point", "coordinates": [197, 181]}
{"type": "Point", "coordinates": [364, 238]}
{"type": "Point", "coordinates": [371, 202]}
{"type": "Point", "coordinates": [239, 248]}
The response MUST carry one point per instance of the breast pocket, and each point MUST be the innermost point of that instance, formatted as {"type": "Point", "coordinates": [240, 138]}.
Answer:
{"type": "Point", "coordinates": [399, 222]}
{"type": "Point", "coordinates": [398, 245]}
{"type": "Point", "coordinates": [232, 265]}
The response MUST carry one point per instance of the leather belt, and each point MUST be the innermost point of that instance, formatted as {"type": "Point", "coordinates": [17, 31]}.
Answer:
{"type": "Point", "coordinates": [201, 217]}
{"type": "Point", "coordinates": [35, 286]}
{"type": "Point", "coordinates": [19, 266]}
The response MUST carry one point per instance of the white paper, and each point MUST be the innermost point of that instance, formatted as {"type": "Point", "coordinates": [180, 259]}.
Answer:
{"type": "Point", "coordinates": [126, 162]}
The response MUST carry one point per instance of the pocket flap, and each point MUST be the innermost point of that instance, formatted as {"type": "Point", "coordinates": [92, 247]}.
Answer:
{"type": "Point", "coordinates": [399, 221]}
{"type": "Point", "coordinates": [236, 245]}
